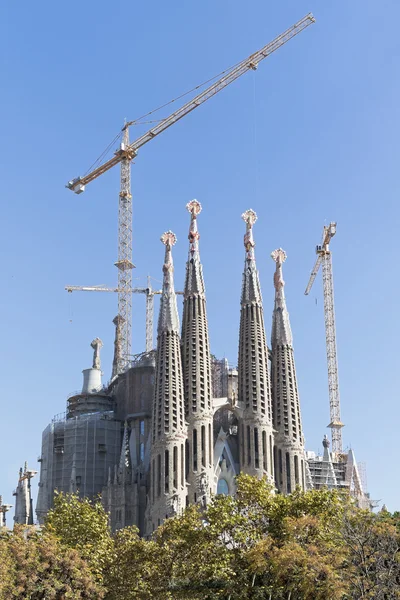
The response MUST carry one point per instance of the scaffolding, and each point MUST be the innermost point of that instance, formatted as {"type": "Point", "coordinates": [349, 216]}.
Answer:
{"type": "Point", "coordinates": [77, 455]}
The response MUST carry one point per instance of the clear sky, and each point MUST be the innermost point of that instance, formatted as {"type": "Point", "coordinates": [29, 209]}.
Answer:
{"type": "Point", "coordinates": [311, 136]}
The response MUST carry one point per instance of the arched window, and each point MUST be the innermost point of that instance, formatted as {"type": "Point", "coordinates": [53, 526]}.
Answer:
{"type": "Point", "coordinates": [296, 469]}
{"type": "Point", "coordinates": [222, 487]}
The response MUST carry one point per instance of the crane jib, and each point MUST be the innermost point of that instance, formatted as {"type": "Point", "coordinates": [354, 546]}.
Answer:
{"type": "Point", "coordinates": [78, 185]}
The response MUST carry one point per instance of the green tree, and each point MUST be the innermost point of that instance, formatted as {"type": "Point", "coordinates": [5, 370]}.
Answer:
{"type": "Point", "coordinates": [7, 566]}
{"type": "Point", "coordinates": [374, 545]}
{"type": "Point", "coordinates": [257, 545]}
{"type": "Point", "coordinates": [82, 524]}
{"type": "Point", "coordinates": [307, 562]}
{"type": "Point", "coordinates": [41, 568]}
{"type": "Point", "coordinates": [133, 571]}
{"type": "Point", "coordinates": [195, 562]}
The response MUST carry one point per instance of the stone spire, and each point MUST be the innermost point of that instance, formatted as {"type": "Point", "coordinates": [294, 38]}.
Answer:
{"type": "Point", "coordinates": [169, 430]}
{"type": "Point", "coordinates": [281, 331]}
{"type": "Point", "coordinates": [328, 476]}
{"type": "Point", "coordinates": [118, 320]}
{"type": "Point", "coordinates": [196, 362]}
{"type": "Point", "coordinates": [289, 454]}
{"type": "Point", "coordinates": [23, 494]}
{"type": "Point", "coordinates": [97, 345]}
{"type": "Point", "coordinates": [4, 508]}
{"type": "Point", "coordinates": [254, 391]}
{"type": "Point", "coordinates": [168, 320]}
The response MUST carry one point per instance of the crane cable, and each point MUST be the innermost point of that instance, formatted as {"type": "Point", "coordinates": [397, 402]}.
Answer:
{"type": "Point", "coordinates": [151, 112]}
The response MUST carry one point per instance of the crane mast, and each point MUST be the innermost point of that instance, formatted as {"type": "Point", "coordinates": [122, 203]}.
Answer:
{"type": "Point", "coordinates": [324, 257]}
{"type": "Point", "coordinates": [124, 263]}
{"type": "Point", "coordinates": [127, 153]}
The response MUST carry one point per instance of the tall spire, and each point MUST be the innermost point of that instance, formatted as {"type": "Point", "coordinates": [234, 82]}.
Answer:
{"type": "Point", "coordinates": [290, 467]}
{"type": "Point", "coordinates": [169, 432]}
{"type": "Point", "coordinates": [194, 283]}
{"type": "Point", "coordinates": [118, 321]}
{"type": "Point", "coordinates": [23, 494]}
{"type": "Point", "coordinates": [254, 390]}
{"type": "Point", "coordinates": [168, 319]}
{"type": "Point", "coordinates": [196, 359]}
{"type": "Point", "coordinates": [281, 331]}
{"type": "Point", "coordinates": [251, 291]}
{"type": "Point", "coordinates": [97, 344]}
{"type": "Point", "coordinates": [4, 508]}
{"type": "Point", "coordinates": [328, 475]}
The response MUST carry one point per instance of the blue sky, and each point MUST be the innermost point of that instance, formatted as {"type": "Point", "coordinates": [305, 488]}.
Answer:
{"type": "Point", "coordinates": [310, 137]}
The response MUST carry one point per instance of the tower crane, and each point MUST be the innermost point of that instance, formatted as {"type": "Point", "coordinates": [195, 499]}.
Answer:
{"type": "Point", "coordinates": [150, 293]}
{"type": "Point", "coordinates": [324, 256]}
{"type": "Point", "coordinates": [128, 151]}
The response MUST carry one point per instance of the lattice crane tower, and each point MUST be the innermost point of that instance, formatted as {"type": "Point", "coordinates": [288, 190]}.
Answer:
{"type": "Point", "coordinates": [324, 256]}
{"type": "Point", "coordinates": [127, 153]}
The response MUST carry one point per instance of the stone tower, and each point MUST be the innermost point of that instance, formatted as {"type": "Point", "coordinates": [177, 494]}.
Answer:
{"type": "Point", "coordinates": [289, 442]}
{"type": "Point", "coordinates": [23, 497]}
{"type": "Point", "coordinates": [168, 489]}
{"type": "Point", "coordinates": [254, 390]}
{"type": "Point", "coordinates": [196, 362]}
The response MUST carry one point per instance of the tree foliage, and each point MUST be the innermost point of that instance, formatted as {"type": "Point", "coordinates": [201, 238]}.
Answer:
{"type": "Point", "coordinates": [37, 566]}
{"type": "Point", "coordinates": [82, 524]}
{"type": "Point", "coordinates": [257, 545]}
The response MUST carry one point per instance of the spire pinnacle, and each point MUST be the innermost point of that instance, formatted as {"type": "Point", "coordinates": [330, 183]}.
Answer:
{"type": "Point", "coordinates": [281, 331]}
{"type": "Point", "coordinates": [118, 322]}
{"type": "Point", "coordinates": [328, 472]}
{"type": "Point", "coordinates": [251, 291]}
{"type": "Point", "coordinates": [97, 344]}
{"type": "Point", "coordinates": [168, 319]}
{"type": "Point", "coordinates": [194, 207]}
{"type": "Point", "coordinates": [194, 284]}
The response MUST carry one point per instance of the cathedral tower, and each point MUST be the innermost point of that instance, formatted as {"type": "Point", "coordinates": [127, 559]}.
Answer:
{"type": "Point", "coordinates": [289, 443]}
{"type": "Point", "coordinates": [254, 390]}
{"type": "Point", "coordinates": [169, 431]}
{"type": "Point", "coordinates": [196, 362]}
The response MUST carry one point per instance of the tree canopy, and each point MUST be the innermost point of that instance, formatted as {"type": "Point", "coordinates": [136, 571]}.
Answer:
{"type": "Point", "coordinates": [307, 546]}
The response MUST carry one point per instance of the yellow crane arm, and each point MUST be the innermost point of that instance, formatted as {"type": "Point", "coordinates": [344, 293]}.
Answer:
{"type": "Point", "coordinates": [78, 185]}
{"type": "Point", "coordinates": [314, 273]}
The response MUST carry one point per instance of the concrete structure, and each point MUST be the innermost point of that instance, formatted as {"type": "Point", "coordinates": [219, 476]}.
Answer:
{"type": "Point", "coordinates": [177, 425]}
{"type": "Point", "coordinates": [289, 442]}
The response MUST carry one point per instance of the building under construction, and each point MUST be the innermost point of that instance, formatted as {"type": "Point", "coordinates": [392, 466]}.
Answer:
{"type": "Point", "coordinates": [177, 425]}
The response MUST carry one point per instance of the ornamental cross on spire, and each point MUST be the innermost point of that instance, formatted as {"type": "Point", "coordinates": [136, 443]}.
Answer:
{"type": "Point", "coordinates": [194, 207]}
